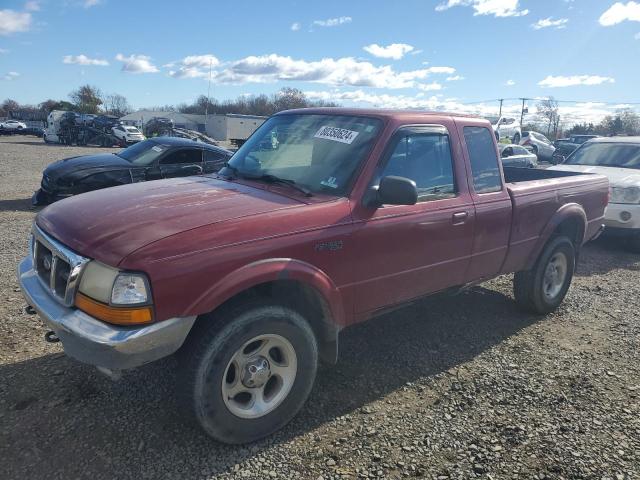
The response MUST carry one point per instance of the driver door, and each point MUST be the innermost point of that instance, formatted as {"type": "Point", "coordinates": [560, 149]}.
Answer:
{"type": "Point", "coordinates": [181, 163]}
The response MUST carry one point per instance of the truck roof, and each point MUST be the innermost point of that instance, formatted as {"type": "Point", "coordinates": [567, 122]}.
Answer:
{"type": "Point", "coordinates": [376, 112]}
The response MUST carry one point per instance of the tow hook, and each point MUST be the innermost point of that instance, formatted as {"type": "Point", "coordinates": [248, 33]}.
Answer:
{"type": "Point", "coordinates": [51, 337]}
{"type": "Point", "coordinates": [29, 310]}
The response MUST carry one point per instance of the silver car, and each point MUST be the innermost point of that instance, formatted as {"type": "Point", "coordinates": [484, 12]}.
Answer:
{"type": "Point", "coordinates": [539, 144]}
{"type": "Point", "coordinates": [517, 156]}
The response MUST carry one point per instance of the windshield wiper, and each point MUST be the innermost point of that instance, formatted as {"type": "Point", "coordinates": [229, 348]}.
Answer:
{"type": "Point", "coordinates": [269, 178]}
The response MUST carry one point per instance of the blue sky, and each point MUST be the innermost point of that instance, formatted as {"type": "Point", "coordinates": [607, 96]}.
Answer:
{"type": "Point", "coordinates": [436, 54]}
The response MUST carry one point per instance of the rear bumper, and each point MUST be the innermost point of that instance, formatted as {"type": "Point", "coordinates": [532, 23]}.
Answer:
{"type": "Point", "coordinates": [97, 343]}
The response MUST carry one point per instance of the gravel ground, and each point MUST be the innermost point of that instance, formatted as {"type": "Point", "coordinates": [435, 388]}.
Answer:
{"type": "Point", "coordinates": [463, 387]}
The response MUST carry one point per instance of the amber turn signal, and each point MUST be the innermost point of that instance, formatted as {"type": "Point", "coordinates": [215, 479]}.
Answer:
{"type": "Point", "coordinates": [115, 315]}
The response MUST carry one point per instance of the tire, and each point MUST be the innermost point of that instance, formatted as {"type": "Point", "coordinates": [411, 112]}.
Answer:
{"type": "Point", "coordinates": [497, 136]}
{"type": "Point", "coordinates": [215, 374]}
{"type": "Point", "coordinates": [538, 290]}
{"type": "Point", "coordinates": [516, 139]}
{"type": "Point", "coordinates": [535, 150]}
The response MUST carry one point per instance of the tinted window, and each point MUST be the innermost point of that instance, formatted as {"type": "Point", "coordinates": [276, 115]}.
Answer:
{"type": "Point", "coordinates": [520, 151]}
{"type": "Point", "coordinates": [484, 161]}
{"type": "Point", "coordinates": [425, 159]}
{"type": "Point", "coordinates": [185, 155]}
{"type": "Point", "coordinates": [210, 156]}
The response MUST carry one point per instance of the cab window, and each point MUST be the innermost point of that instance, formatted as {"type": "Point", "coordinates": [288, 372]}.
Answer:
{"type": "Point", "coordinates": [483, 158]}
{"type": "Point", "coordinates": [182, 156]}
{"type": "Point", "coordinates": [425, 159]}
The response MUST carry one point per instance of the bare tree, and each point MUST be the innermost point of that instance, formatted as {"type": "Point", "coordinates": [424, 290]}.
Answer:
{"type": "Point", "coordinates": [116, 104]}
{"type": "Point", "coordinates": [548, 109]}
{"type": "Point", "coordinates": [87, 99]}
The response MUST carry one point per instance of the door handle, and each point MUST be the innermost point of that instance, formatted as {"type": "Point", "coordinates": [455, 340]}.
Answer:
{"type": "Point", "coordinates": [459, 218]}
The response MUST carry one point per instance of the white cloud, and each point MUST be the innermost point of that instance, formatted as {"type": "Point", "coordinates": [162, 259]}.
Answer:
{"type": "Point", "coordinates": [91, 3]}
{"type": "Point", "coordinates": [296, 26]}
{"type": "Point", "coordinates": [10, 75]}
{"type": "Point", "coordinates": [571, 81]}
{"type": "Point", "coordinates": [332, 22]}
{"type": "Point", "coordinates": [550, 22]}
{"type": "Point", "coordinates": [395, 50]}
{"type": "Point", "coordinates": [14, 22]}
{"type": "Point", "coordinates": [455, 78]}
{"type": "Point", "coordinates": [340, 71]}
{"type": "Point", "coordinates": [136, 64]}
{"type": "Point", "coordinates": [620, 12]}
{"type": "Point", "coordinates": [510, 83]}
{"type": "Point", "coordinates": [194, 66]}
{"type": "Point", "coordinates": [429, 87]}
{"type": "Point", "coordinates": [570, 113]}
{"type": "Point", "coordinates": [84, 60]}
{"type": "Point", "coordinates": [3, 50]}
{"type": "Point", "coordinates": [497, 8]}
{"type": "Point", "coordinates": [32, 6]}
{"type": "Point", "coordinates": [637, 36]}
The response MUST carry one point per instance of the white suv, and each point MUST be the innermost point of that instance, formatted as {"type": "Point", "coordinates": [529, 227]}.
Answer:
{"type": "Point", "coordinates": [506, 127]}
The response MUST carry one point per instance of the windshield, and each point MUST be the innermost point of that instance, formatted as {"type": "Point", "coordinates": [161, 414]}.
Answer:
{"type": "Point", "coordinates": [143, 153]}
{"type": "Point", "coordinates": [606, 155]}
{"type": "Point", "coordinates": [318, 152]}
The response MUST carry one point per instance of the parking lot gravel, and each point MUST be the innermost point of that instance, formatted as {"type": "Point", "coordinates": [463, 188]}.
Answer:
{"type": "Point", "coordinates": [447, 388]}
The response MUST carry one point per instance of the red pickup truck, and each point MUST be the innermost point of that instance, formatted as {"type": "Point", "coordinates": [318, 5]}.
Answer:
{"type": "Point", "coordinates": [323, 218]}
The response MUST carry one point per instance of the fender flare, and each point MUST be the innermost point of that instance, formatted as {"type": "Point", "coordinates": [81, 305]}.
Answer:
{"type": "Point", "coordinates": [568, 211]}
{"type": "Point", "coordinates": [270, 270]}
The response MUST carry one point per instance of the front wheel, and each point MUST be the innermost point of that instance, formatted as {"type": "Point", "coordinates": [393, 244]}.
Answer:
{"type": "Point", "coordinates": [542, 289]}
{"type": "Point", "coordinates": [516, 139]}
{"type": "Point", "coordinates": [247, 374]}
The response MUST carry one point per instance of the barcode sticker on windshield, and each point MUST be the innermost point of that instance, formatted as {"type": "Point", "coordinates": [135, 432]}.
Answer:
{"type": "Point", "coordinates": [157, 149]}
{"type": "Point", "coordinates": [336, 134]}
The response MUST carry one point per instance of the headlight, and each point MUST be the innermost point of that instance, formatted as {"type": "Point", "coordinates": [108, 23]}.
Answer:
{"type": "Point", "coordinates": [130, 289]}
{"type": "Point", "coordinates": [625, 195]}
{"type": "Point", "coordinates": [113, 296]}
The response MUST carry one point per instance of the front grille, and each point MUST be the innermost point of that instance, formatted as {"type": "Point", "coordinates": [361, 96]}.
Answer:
{"type": "Point", "coordinates": [58, 268]}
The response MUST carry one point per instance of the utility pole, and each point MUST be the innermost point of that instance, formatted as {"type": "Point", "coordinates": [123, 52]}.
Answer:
{"type": "Point", "coordinates": [500, 114]}
{"type": "Point", "coordinates": [522, 112]}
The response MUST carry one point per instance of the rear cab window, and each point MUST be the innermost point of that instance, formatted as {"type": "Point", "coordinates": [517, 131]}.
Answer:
{"type": "Point", "coordinates": [484, 159]}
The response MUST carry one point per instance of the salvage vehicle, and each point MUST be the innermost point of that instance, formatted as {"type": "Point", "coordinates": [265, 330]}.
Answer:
{"type": "Point", "coordinates": [127, 134]}
{"type": "Point", "coordinates": [617, 158]}
{"type": "Point", "coordinates": [70, 128]}
{"type": "Point", "coordinates": [161, 157]}
{"type": "Point", "coordinates": [506, 128]}
{"type": "Point", "coordinates": [540, 145]}
{"type": "Point", "coordinates": [12, 125]}
{"type": "Point", "coordinates": [565, 147]}
{"type": "Point", "coordinates": [517, 156]}
{"type": "Point", "coordinates": [249, 275]}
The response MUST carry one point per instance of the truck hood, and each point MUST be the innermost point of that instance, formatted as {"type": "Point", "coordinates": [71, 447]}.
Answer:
{"type": "Point", "coordinates": [109, 224]}
{"type": "Point", "coordinates": [618, 177]}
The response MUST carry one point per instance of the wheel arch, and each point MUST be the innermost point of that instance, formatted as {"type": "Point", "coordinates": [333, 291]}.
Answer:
{"type": "Point", "coordinates": [569, 220]}
{"type": "Point", "coordinates": [293, 283]}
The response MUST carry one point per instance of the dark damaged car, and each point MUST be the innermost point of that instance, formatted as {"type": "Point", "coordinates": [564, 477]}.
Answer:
{"type": "Point", "coordinates": [153, 159]}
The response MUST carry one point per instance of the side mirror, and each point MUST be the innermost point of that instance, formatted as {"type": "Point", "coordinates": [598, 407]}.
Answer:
{"type": "Point", "coordinates": [396, 191]}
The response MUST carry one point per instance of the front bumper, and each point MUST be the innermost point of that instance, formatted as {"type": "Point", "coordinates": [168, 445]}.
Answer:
{"type": "Point", "coordinates": [97, 343]}
{"type": "Point", "coordinates": [622, 216]}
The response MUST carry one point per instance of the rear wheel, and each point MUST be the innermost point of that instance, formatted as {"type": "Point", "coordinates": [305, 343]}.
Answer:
{"type": "Point", "coordinates": [247, 373]}
{"type": "Point", "coordinates": [516, 139]}
{"type": "Point", "coordinates": [542, 289]}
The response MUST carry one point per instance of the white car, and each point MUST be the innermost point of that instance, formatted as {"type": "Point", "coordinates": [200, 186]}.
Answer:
{"type": "Point", "coordinates": [618, 158]}
{"type": "Point", "coordinates": [12, 125]}
{"type": "Point", "coordinates": [506, 128]}
{"type": "Point", "coordinates": [539, 144]}
{"type": "Point", "coordinates": [128, 134]}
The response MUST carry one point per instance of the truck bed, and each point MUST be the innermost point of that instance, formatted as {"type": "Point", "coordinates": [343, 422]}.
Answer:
{"type": "Point", "coordinates": [537, 195]}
